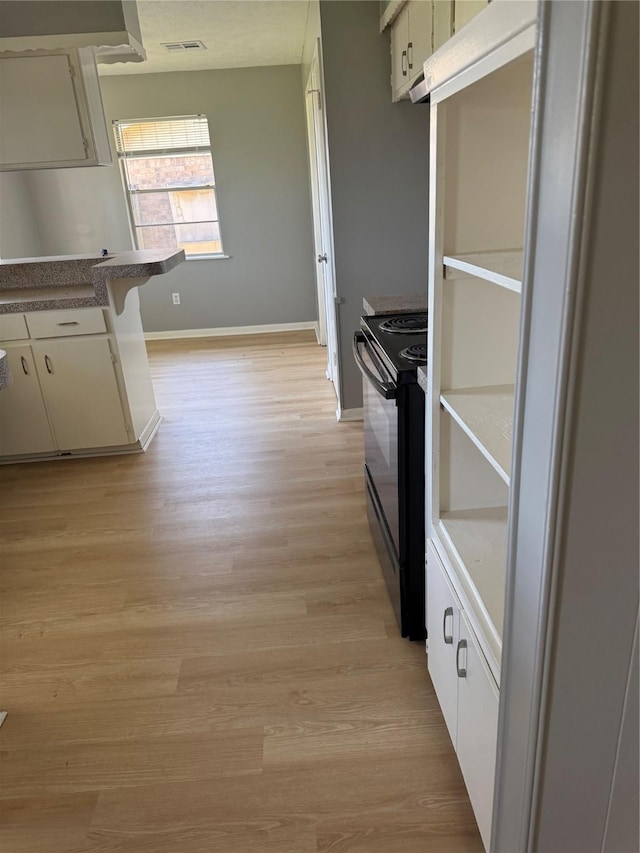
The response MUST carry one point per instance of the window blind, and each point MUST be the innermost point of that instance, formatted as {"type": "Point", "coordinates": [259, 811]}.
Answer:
{"type": "Point", "coordinates": [160, 135]}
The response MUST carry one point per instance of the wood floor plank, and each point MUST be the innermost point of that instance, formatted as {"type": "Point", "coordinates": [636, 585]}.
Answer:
{"type": "Point", "coordinates": [71, 768]}
{"type": "Point", "coordinates": [40, 687]}
{"type": "Point", "coordinates": [48, 824]}
{"type": "Point", "coordinates": [198, 650]}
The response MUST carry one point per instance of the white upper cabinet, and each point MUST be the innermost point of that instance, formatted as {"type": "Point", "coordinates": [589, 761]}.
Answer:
{"type": "Point", "coordinates": [51, 113]}
{"type": "Point", "coordinates": [465, 10]}
{"type": "Point", "coordinates": [442, 22]}
{"type": "Point", "coordinates": [418, 28]}
{"type": "Point", "coordinates": [411, 44]}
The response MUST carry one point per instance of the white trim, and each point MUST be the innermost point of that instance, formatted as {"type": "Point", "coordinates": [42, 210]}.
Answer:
{"type": "Point", "coordinates": [343, 415]}
{"type": "Point", "coordinates": [208, 257]}
{"type": "Point", "coordinates": [228, 331]}
{"type": "Point", "coordinates": [150, 430]}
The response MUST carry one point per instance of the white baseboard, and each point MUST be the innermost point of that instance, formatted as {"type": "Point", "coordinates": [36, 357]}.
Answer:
{"type": "Point", "coordinates": [228, 331]}
{"type": "Point", "coordinates": [349, 414]}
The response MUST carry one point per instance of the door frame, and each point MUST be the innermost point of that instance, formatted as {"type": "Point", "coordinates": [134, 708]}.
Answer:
{"type": "Point", "coordinates": [322, 215]}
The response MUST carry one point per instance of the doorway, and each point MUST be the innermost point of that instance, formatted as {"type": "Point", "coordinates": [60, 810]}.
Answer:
{"type": "Point", "coordinates": [322, 221]}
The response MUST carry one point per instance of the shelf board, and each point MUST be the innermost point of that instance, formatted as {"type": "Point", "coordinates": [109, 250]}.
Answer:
{"type": "Point", "coordinates": [486, 416]}
{"type": "Point", "coordinates": [478, 540]}
{"type": "Point", "coordinates": [502, 268]}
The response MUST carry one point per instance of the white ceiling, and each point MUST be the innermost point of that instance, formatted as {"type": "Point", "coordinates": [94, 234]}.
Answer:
{"type": "Point", "coordinates": [237, 34]}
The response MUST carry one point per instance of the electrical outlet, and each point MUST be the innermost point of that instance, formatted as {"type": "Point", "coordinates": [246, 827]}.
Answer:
{"type": "Point", "coordinates": [176, 298]}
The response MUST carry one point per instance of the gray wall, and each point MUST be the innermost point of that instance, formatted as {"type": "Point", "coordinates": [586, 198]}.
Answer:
{"type": "Point", "coordinates": [256, 118]}
{"type": "Point", "coordinates": [19, 236]}
{"type": "Point", "coordinates": [378, 156]}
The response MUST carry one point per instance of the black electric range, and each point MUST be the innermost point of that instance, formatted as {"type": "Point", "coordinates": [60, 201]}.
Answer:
{"type": "Point", "coordinates": [388, 350]}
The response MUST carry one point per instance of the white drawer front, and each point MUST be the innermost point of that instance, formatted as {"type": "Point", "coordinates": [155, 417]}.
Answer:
{"type": "Point", "coordinates": [73, 321]}
{"type": "Point", "coordinates": [13, 327]}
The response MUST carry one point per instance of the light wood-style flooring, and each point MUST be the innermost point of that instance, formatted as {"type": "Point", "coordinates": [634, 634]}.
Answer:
{"type": "Point", "coordinates": [198, 652]}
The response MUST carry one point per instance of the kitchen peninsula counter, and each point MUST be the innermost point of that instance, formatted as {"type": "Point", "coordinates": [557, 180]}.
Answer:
{"type": "Point", "coordinates": [77, 281]}
{"type": "Point", "coordinates": [400, 303]}
{"type": "Point", "coordinates": [73, 336]}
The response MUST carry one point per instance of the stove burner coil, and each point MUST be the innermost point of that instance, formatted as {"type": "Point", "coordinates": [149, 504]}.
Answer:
{"type": "Point", "coordinates": [404, 325]}
{"type": "Point", "coordinates": [416, 352]}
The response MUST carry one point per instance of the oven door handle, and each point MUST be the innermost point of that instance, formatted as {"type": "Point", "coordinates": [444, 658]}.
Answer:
{"type": "Point", "coordinates": [386, 389]}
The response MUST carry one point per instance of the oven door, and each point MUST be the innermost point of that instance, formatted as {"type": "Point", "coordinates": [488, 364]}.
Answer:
{"type": "Point", "coordinates": [380, 401]}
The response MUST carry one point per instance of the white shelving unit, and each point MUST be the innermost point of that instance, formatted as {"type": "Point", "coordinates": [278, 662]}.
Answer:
{"type": "Point", "coordinates": [481, 86]}
{"type": "Point", "coordinates": [486, 416]}
{"type": "Point", "coordinates": [503, 268]}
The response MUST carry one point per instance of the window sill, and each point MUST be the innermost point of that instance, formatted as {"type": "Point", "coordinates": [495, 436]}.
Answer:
{"type": "Point", "coordinates": [208, 257]}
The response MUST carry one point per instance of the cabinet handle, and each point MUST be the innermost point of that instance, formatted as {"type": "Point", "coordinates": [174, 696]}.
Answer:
{"type": "Point", "coordinates": [404, 63]}
{"type": "Point", "coordinates": [69, 323]}
{"type": "Point", "coordinates": [462, 673]}
{"type": "Point", "coordinates": [410, 54]}
{"type": "Point", "coordinates": [25, 366]}
{"type": "Point", "coordinates": [47, 364]}
{"type": "Point", "coordinates": [448, 638]}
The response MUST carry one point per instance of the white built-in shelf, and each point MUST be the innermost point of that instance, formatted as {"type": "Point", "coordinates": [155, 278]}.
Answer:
{"type": "Point", "coordinates": [502, 268]}
{"type": "Point", "coordinates": [477, 538]}
{"type": "Point", "coordinates": [486, 416]}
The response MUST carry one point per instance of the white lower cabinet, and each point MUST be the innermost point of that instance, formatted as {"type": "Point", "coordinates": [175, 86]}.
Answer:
{"type": "Point", "coordinates": [74, 387]}
{"type": "Point", "coordinates": [81, 392]}
{"type": "Point", "coordinates": [466, 690]}
{"type": "Point", "coordinates": [24, 425]}
{"type": "Point", "coordinates": [443, 625]}
{"type": "Point", "coordinates": [477, 731]}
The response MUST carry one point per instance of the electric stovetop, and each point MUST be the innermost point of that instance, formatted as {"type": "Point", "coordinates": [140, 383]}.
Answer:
{"type": "Point", "coordinates": [402, 338]}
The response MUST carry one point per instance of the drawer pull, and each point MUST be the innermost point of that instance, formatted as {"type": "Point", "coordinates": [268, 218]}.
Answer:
{"type": "Point", "coordinates": [462, 673]}
{"type": "Point", "coordinates": [448, 638]}
{"type": "Point", "coordinates": [47, 363]}
{"type": "Point", "coordinates": [69, 323]}
{"type": "Point", "coordinates": [25, 366]}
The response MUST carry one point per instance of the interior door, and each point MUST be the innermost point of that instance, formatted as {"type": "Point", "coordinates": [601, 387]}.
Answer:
{"type": "Point", "coordinates": [323, 226]}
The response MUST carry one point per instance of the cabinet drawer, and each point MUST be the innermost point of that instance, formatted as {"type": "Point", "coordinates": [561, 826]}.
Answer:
{"type": "Point", "coordinates": [73, 321]}
{"type": "Point", "coordinates": [13, 327]}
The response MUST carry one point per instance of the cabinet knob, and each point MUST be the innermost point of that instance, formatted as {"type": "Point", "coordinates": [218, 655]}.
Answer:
{"type": "Point", "coordinates": [462, 671]}
{"type": "Point", "coordinates": [404, 63]}
{"type": "Point", "coordinates": [410, 54]}
{"type": "Point", "coordinates": [448, 638]}
{"type": "Point", "coordinates": [25, 365]}
{"type": "Point", "coordinates": [47, 364]}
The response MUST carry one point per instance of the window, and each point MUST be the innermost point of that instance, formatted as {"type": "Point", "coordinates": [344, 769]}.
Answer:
{"type": "Point", "coordinates": [168, 174]}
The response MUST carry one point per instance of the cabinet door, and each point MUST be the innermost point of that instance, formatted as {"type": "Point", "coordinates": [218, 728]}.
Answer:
{"type": "Point", "coordinates": [80, 388]}
{"type": "Point", "coordinates": [39, 113]}
{"type": "Point", "coordinates": [399, 46]}
{"type": "Point", "coordinates": [465, 10]}
{"type": "Point", "coordinates": [420, 34]}
{"type": "Point", "coordinates": [442, 22]}
{"type": "Point", "coordinates": [443, 617]}
{"type": "Point", "coordinates": [24, 426]}
{"type": "Point", "coordinates": [477, 734]}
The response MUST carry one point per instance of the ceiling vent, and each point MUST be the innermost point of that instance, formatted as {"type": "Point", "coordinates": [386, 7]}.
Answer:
{"type": "Point", "coordinates": [174, 46]}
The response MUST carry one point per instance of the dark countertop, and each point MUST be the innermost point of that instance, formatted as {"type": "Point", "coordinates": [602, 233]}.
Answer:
{"type": "Point", "coordinates": [407, 303]}
{"type": "Point", "coordinates": [75, 281]}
